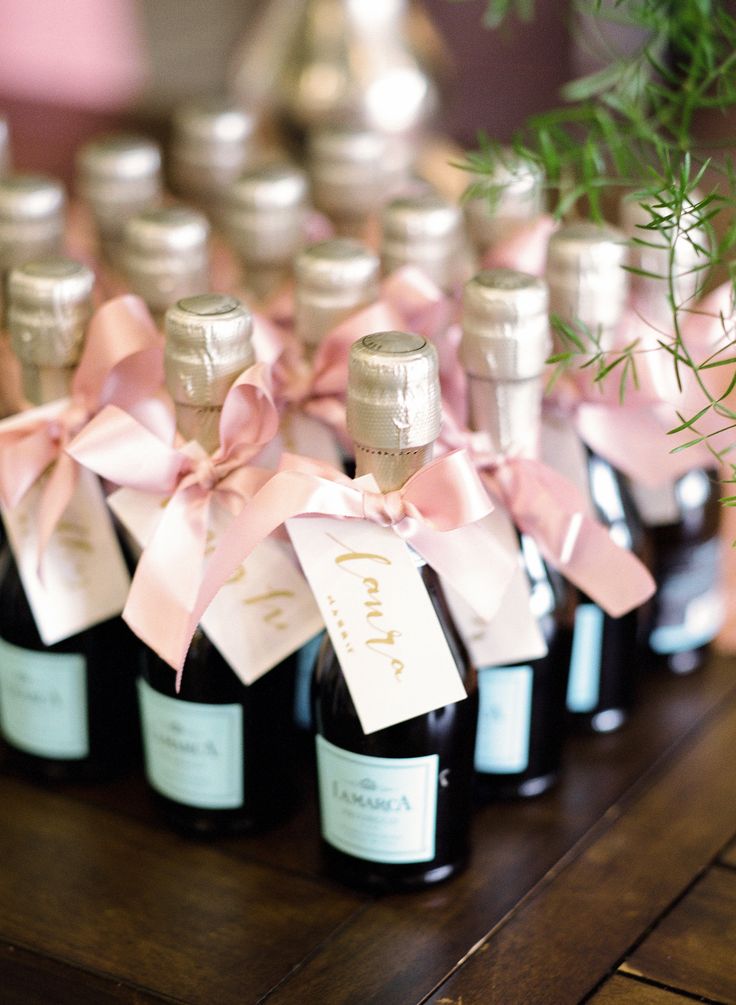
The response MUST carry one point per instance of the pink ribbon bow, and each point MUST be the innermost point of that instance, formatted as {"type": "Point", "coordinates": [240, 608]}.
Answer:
{"type": "Point", "coordinates": [117, 447]}
{"type": "Point", "coordinates": [436, 512]}
{"type": "Point", "coordinates": [122, 363]}
{"type": "Point", "coordinates": [550, 509]}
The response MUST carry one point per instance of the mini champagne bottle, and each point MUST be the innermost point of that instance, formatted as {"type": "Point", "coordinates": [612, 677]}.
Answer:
{"type": "Point", "coordinates": [521, 725]}
{"type": "Point", "coordinates": [165, 256]}
{"type": "Point", "coordinates": [394, 419]}
{"type": "Point", "coordinates": [588, 287]}
{"type": "Point", "coordinates": [682, 517]}
{"type": "Point", "coordinates": [118, 176]}
{"type": "Point", "coordinates": [67, 710]}
{"type": "Point", "coordinates": [265, 221]}
{"type": "Point", "coordinates": [217, 754]}
{"type": "Point", "coordinates": [334, 279]}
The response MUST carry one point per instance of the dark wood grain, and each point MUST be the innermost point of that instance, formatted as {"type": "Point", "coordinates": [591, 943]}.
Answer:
{"type": "Point", "coordinates": [694, 946]}
{"type": "Point", "coordinates": [621, 990]}
{"type": "Point", "coordinates": [585, 916]}
{"type": "Point", "coordinates": [418, 940]}
{"type": "Point", "coordinates": [185, 920]}
{"type": "Point", "coordinates": [729, 855]}
{"type": "Point", "coordinates": [28, 978]}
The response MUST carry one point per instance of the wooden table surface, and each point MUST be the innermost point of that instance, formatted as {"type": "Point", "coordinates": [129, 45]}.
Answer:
{"type": "Point", "coordinates": [100, 903]}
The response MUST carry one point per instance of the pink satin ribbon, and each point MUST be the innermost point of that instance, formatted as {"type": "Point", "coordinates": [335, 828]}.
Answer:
{"type": "Point", "coordinates": [549, 508]}
{"type": "Point", "coordinates": [524, 248]}
{"type": "Point", "coordinates": [436, 512]}
{"type": "Point", "coordinates": [117, 447]}
{"type": "Point", "coordinates": [122, 364]}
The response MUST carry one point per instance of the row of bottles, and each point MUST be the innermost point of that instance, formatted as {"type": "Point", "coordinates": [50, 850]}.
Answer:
{"type": "Point", "coordinates": [395, 802]}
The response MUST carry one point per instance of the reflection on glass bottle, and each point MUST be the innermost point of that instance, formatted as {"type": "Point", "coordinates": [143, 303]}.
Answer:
{"type": "Point", "coordinates": [415, 832]}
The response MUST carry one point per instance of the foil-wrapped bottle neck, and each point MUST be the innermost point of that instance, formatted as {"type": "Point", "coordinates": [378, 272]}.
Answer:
{"type": "Point", "coordinates": [587, 281]}
{"type": "Point", "coordinates": [165, 255]}
{"type": "Point", "coordinates": [393, 405]}
{"type": "Point", "coordinates": [334, 279]}
{"type": "Point", "coordinates": [213, 143]}
{"type": "Point", "coordinates": [499, 202]}
{"type": "Point", "coordinates": [265, 220]}
{"type": "Point", "coordinates": [31, 218]}
{"type": "Point", "coordinates": [353, 173]}
{"type": "Point", "coordinates": [208, 345]}
{"type": "Point", "coordinates": [423, 230]}
{"type": "Point", "coordinates": [49, 307]}
{"type": "Point", "coordinates": [118, 175]}
{"type": "Point", "coordinates": [676, 255]}
{"type": "Point", "coordinates": [504, 346]}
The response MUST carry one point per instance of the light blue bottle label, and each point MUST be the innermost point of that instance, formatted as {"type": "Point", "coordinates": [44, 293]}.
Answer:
{"type": "Point", "coordinates": [43, 702]}
{"type": "Point", "coordinates": [690, 602]}
{"type": "Point", "coordinates": [383, 809]}
{"type": "Point", "coordinates": [305, 663]}
{"type": "Point", "coordinates": [583, 687]}
{"type": "Point", "coordinates": [504, 719]}
{"type": "Point", "coordinates": [193, 751]}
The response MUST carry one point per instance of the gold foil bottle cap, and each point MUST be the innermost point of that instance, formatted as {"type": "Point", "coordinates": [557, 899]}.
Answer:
{"type": "Point", "coordinates": [31, 218]}
{"type": "Point", "coordinates": [333, 279]}
{"type": "Point", "coordinates": [424, 230]}
{"type": "Point", "coordinates": [49, 307]}
{"type": "Point", "coordinates": [266, 213]}
{"type": "Point", "coordinates": [505, 326]}
{"type": "Point", "coordinates": [587, 281]}
{"type": "Point", "coordinates": [119, 175]}
{"type": "Point", "coordinates": [515, 194]}
{"type": "Point", "coordinates": [165, 255]}
{"type": "Point", "coordinates": [353, 173]}
{"type": "Point", "coordinates": [393, 397]}
{"type": "Point", "coordinates": [213, 141]}
{"type": "Point", "coordinates": [208, 345]}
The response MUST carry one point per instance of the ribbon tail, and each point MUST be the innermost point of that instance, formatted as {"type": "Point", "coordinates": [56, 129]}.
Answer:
{"type": "Point", "coordinates": [166, 580]}
{"type": "Point", "coordinates": [474, 562]}
{"type": "Point", "coordinates": [287, 494]}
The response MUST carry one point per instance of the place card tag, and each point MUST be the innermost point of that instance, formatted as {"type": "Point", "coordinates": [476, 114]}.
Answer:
{"type": "Point", "coordinates": [83, 580]}
{"type": "Point", "coordinates": [262, 614]}
{"type": "Point", "coordinates": [513, 634]}
{"type": "Point", "coordinates": [387, 637]}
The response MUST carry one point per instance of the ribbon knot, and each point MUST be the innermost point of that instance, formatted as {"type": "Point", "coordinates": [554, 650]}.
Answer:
{"type": "Point", "coordinates": [205, 474]}
{"type": "Point", "coordinates": [386, 509]}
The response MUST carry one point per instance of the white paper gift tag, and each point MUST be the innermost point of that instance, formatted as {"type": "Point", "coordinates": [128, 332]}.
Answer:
{"type": "Point", "coordinates": [262, 614]}
{"type": "Point", "coordinates": [513, 634]}
{"type": "Point", "coordinates": [84, 580]}
{"type": "Point", "coordinates": [563, 450]}
{"type": "Point", "coordinates": [386, 635]}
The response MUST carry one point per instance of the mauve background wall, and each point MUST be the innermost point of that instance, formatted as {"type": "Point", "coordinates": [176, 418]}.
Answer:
{"type": "Point", "coordinates": [501, 77]}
